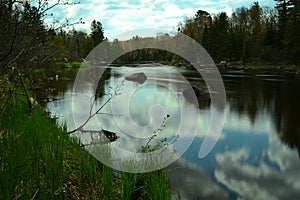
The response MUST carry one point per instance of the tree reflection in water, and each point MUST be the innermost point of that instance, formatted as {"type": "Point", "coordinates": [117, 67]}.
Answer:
{"type": "Point", "coordinates": [279, 95]}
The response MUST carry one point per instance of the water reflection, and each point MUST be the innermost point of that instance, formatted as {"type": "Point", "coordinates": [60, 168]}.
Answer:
{"type": "Point", "coordinates": [140, 108]}
{"type": "Point", "coordinates": [277, 95]}
{"type": "Point", "coordinates": [192, 182]}
{"type": "Point", "coordinates": [251, 160]}
{"type": "Point", "coordinates": [257, 155]}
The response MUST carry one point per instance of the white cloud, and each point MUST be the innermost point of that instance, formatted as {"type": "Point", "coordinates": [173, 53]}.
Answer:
{"type": "Point", "coordinates": [171, 10]}
{"type": "Point", "coordinates": [206, 3]}
{"type": "Point", "coordinates": [121, 16]}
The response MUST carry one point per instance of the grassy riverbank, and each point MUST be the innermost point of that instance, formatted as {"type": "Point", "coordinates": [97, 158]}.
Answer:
{"type": "Point", "coordinates": [38, 160]}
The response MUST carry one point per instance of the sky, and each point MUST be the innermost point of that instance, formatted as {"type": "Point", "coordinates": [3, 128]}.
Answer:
{"type": "Point", "coordinates": [119, 16]}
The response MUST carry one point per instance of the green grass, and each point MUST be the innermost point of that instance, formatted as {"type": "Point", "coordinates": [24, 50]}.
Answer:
{"type": "Point", "coordinates": [151, 185]}
{"type": "Point", "coordinates": [38, 160]}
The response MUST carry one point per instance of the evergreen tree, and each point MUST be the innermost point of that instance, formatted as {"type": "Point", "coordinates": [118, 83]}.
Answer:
{"type": "Point", "coordinates": [270, 51]}
{"type": "Point", "coordinates": [255, 37]}
{"type": "Point", "coordinates": [97, 32]}
{"type": "Point", "coordinates": [291, 38]}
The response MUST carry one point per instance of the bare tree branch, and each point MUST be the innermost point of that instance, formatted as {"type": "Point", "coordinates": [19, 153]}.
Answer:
{"type": "Point", "coordinates": [30, 103]}
{"type": "Point", "coordinates": [90, 117]}
{"type": "Point", "coordinates": [113, 94]}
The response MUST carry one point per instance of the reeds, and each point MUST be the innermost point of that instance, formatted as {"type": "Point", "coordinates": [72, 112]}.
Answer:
{"type": "Point", "coordinates": [38, 160]}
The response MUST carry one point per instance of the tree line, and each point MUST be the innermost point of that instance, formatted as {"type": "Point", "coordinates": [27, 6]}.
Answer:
{"type": "Point", "coordinates": [255, 34]}
{"type": "Point", "coordinates": [75, 45]}
{"type": "Point", "coordinates": [251, 35]}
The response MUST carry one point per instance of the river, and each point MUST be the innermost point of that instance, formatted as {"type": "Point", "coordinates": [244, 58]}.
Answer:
{"type": "Point", "coordinates": [257, 154]}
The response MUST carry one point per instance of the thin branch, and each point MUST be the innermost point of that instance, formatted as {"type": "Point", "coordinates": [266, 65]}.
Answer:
{"type": "Point", "coordinates": [100, 113]}
{"type": "Point", "coordinates": [90, 116]}
{"type": "Point", "coordinates": [114, 93]}
{"type": "Point", "coordinates": [30, 104]}
{"type": "Point", "coordinates": [12, 43]}
{"type": "Point", "coordinates": [50, 7]}
{"type": "Point", "coordinates": [13, 60]}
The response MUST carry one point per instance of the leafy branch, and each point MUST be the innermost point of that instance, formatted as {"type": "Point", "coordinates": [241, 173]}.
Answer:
{"type": "Point", "coordinates": [162, 142]}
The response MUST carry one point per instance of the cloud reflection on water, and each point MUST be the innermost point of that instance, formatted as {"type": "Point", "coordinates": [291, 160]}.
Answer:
{"type": "Point", "coordinates": [261, 181]}
{"type": "Point", "coordinates": [249, 162]}
{"type": "Point", "coordinates": [192, 182]}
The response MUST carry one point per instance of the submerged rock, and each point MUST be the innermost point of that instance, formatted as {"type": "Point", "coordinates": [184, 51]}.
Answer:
{"type": "Point", "coordinates": [193, 93]}
{"type": "Point", "coordinates": [137, 77]}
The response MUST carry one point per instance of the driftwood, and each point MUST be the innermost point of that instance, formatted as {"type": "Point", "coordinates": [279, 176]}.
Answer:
{"type": "Point", "coordinates": [108, 134]}
{"type": "Point", "coordinates": [100, 137]}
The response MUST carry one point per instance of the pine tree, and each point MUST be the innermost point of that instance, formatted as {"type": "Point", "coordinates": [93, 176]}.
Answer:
{"type": "Point", "coordinates": [291, 37]}
{"type": "Point", "coordinates": [97, 32]}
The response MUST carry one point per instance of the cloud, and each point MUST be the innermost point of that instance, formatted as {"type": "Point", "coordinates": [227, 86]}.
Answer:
{"type": "Point", "coordinates": [121, 16]}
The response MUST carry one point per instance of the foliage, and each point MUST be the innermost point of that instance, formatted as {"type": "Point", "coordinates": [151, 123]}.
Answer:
{"type": "Point", "coordinates": [251, 34]}
{"type": "Point", "coordinates": [22, 35]}
{"type": "Point", "coordinates": [291, 24]}
{"type": "Point", "coordinates": [160, 144]}
{"type": "Point", "coordinates": [97, 32]}
{"type": "Point", "coordinates": [151, 185]}
{"type": "Point", "coordinates": [49, 160]}
{"type": "Point", "coordinates": [55, 166]}
{"type": "Point", "coordinates": [27, 44]}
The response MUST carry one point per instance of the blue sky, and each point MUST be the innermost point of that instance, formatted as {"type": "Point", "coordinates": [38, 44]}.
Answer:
{"type": "Point", "coordinates": [121, 16]}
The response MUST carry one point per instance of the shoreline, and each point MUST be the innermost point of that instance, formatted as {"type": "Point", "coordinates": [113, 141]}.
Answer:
{"type": "Point", "coordinates": [275, 68]}
{"type": "Point", "coordinates": [293, 70]}
{"type": "Point", "coordinates": [41, 160]}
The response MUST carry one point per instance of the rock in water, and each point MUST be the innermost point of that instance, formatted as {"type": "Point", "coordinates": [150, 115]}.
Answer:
{"type": "Point", "coordinates": [137, 77]}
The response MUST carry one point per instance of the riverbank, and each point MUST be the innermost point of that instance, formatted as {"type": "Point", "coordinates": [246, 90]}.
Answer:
{"type": "Point", "coordinates": [259, 67]}
{"type": "Point", "coordinates": [254, 67]}
{"type": "Point", "coordinates": [264, 68]}
{"type": "Point", "coordinates": [39, 160]}
{"type": "Point", "coordinates": [250, 67]}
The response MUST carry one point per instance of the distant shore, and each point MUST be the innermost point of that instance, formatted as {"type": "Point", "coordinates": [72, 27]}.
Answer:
{"type": "Point", "coordinates": [262, 68]}
{"type": "Point", "coordinates": [259, 68]}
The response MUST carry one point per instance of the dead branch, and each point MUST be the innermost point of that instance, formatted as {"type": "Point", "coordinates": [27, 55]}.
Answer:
{"type": "Point", "coordinates": [114, 93]}
{"type": "Point", "coordinates": [30, 103]}
{"type": "Point", "coordinates": [90, 116]}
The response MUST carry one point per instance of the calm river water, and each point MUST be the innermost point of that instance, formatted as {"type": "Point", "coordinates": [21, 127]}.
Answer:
{"type": "Point", "coordinates": [257, 155]}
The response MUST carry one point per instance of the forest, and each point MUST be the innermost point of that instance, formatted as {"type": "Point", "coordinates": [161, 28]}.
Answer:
{"type": "Point", "coordinates": [250, 35]}
{"type": "Point", "coordinates": [255, 34]}
{"type": "Point", "coordinates": [38, 159]}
